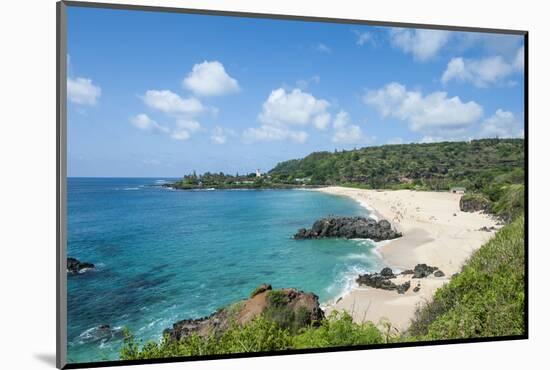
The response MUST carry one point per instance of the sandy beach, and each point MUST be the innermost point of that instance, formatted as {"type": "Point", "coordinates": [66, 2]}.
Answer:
{"type": "Point", "coordinates": [435, 232]}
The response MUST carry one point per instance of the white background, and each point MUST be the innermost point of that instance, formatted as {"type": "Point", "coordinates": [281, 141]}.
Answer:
{"type": "Point", "coordinates": [27, 184]}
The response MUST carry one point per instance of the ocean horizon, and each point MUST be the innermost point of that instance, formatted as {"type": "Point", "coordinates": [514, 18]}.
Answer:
{"type": "Point", "coordinates": [164, 255]}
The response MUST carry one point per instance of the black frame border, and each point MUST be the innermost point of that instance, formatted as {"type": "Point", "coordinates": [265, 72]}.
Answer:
{"type": "Point", "coordinates": [61, 171]}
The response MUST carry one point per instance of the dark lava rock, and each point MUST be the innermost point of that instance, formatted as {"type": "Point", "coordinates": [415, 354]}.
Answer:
{"type": "Point", "coordinates": [302, 307]}
{"type": "Point", "coordinates": [474, 203]}
{"type": "Point", "coordinates": [74, 266]}
{"type": "Point", "coordinates": [387, 273]}
{"type": "Point", "coordinates": [416, 289]}
{"type": "Point", "coordinates": [422, 270]}
{"type": "Point", "coordinates": [407, 272]}
{"type": "Point", "coordinates": [382, 281]}
{"type": "Point", "coordinates": [401, 289]}
{"type": "Point", "coordinates": [488, 229]}
{"type": "Point", "coordinates": [349, 228]}
{"type": "Point", "coordinates": [439, 273]}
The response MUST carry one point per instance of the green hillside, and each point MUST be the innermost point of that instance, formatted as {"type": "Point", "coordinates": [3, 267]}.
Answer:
{"type": "Point", "coordinates": [438, 166]}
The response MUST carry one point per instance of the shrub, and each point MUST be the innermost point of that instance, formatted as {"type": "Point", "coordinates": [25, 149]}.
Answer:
{"type": "Point", "coordinates": [259, 335]}
{"type": "Point", "coordinates": [511, 202]}
{"type": "Point", "coordinates": [338, 330]}
{"type": "Point", "coordinates": [486, 299]}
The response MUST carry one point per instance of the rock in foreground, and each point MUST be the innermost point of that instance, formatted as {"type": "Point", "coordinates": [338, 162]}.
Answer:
{"type": "Point", "coordinates": [74, 266]}
{"type": "Point", "coordinates": [349, 228]}
{"type": "Point", "coordinates": [289, 307]}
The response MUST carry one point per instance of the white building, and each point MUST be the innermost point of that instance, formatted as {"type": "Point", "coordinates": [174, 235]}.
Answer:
{"type": "Point", "coordinates": [258, 173]}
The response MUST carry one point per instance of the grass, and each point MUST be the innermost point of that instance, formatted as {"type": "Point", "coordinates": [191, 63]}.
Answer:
{"type": "Point", "coordinates": [486, 299]}
{"type": "Point", "coordinates": [260, 335]}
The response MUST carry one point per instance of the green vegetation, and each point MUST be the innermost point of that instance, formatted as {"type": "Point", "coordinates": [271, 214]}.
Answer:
{"type": "Point", "coordinates": [479, 165]}
{"type": "Point", "coordinates": [511, 202]}
{"type": "Point", "coordinates": [259, 335]}
{"type": "Point", "coordinates": [227, 181]}
{"type": "Point", "coordinates": [476, 165]}
{"type": "Point", "coordinates": [339, 330]}
{"type": "Point", "coordinates": [486, 299]}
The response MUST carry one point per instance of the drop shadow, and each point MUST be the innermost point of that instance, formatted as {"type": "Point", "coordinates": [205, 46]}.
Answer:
{"type": "Point", "coordinates": [46, 358]}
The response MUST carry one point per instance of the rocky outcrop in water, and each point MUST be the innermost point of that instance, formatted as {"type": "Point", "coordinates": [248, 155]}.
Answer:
{"type": "Point", "coordinates": [349, 228]}
{"type": "Point", "coordinates": [102, 333]}
{"type": "Point", "coordinates": [74, 266]}
{"type": "Point", "coordinates": [303, 309]}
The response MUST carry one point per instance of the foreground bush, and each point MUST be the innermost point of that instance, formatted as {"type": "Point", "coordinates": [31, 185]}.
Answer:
{"type": "Point", "coordinates": [259, 335]}
{"type": "Point", "coordinates": [486, 299]}
{"type": "Point", "coordinates": [262, 334]}
{"type": "Point", "coordinates": [338, 330]}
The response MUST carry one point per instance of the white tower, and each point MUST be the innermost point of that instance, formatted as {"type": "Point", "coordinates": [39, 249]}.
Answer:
{"type": "Point", "coordinates": [258, 173]}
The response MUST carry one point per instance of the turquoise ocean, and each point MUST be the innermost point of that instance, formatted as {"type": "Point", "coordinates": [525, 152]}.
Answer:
{"type": "Point", "coordinates": [164, 255]}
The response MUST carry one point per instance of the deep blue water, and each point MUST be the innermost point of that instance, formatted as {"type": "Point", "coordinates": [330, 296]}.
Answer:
{"type": "Point", "coordinates": [165, 255]}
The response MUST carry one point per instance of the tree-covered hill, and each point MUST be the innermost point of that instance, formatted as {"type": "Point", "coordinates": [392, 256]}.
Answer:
{"type": "Point", "coordinates": [475, 165]}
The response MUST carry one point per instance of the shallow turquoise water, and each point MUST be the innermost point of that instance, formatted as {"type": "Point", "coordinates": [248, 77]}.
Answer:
{"type": "Point", "coordinates": [166, 255]}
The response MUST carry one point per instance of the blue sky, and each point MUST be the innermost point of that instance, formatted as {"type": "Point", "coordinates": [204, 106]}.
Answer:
{"type": "Point", "coordinates": [160, 94]}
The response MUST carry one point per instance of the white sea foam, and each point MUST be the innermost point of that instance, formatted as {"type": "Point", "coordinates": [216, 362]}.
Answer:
{"type": "Point", "coordinates": [368, 261]}
{"type": "Point", "coordinates": [130, 189]}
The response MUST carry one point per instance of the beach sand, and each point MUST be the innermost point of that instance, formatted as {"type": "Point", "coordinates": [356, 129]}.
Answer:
{"type": "Point", "coordinates": [435, 232]}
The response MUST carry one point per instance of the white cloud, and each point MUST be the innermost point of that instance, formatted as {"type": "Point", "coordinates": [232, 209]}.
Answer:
{"type": "Point", "coordinates": [189, 125]}
{"type": "Point", "coordinates": [432, 113]}
{"type": "Point", "coordinates": [502, 124]}
{"type": "Point", "coordinates": [363, 38]}
{"type": "Point", "coordinates": [210, 79]}
{"type": "Point", "coordinates": [422, 44]}
{"type": "Point", "coordinates": [143, 122]}
{"type": "Point", "coordinates": [220, 134]}
{"type": "Point", "coordinates": [271, 133]}
{"type": "Point", "coordinates": [82, 91]}
{"type": "Point", "coordinates": [294, 108]}
{"type": "Point", "coordinates": [321, 121]}
{"type": "Point", "coordinates": [346, 133]}
{"type": "Point", "coordinates": [184, 128]}
{"type": "Point", "coordinates": [519, 60]}
{"type": "Point", "coordinates": [168, 102]}
{"type": "Point", "coordinates": [322, 48]}
{"type": "Point", "coordinates": [180, 134]}
{"type": "Point", "coordinates": [480, 72]}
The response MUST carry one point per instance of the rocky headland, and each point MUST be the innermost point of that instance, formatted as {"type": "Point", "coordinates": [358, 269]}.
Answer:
{"type": "Point", "coordinates": [290, 308]}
